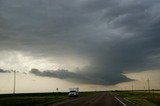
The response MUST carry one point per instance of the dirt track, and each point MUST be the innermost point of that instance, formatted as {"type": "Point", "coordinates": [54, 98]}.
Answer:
{"type": "Point", "coordinates": [100, 99]}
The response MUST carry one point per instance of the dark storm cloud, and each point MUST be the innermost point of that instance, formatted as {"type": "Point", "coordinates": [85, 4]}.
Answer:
{"type": "Point", "coordinates": [76, 76]}
{"type": "Point", "coordinates": [63, 74]}
{"type": "Point", "coordinates": [4, 71]}
{"type": "Point", "coordinates": [115, 36]}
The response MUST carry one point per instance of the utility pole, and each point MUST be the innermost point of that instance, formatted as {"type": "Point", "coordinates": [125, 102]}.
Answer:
{"type": "Point", "coordinates": [148, 85]}
{"type": "Point", "coordinates": [57, 89]}
{"type": "Point", "coordinates": [14, 86]}
{"type": "Point", "coordinates": [132, 87]}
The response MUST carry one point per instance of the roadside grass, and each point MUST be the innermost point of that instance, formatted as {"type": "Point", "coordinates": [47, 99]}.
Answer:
{"type": "Point", "coordinates": [37, 99]}
{"type": "Point", "coordinates": [141, 98]}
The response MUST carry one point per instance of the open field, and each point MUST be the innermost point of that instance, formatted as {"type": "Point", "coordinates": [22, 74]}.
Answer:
{"type": "Point", "coordinates": [32, 99]}
{"type": "Point", "coordinates": [35, 99]}
{"type": "Point", "coordinates": [152, 91]}
{"type": "Point", "coordinates": [140, 98]}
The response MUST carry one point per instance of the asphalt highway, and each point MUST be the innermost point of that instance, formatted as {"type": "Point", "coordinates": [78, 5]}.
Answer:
{"type": "Point", "coordinates": [99, 99]}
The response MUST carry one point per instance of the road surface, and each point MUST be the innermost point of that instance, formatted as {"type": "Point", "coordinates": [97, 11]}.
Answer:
{"type": "Point", "coordinates": [99, 99]}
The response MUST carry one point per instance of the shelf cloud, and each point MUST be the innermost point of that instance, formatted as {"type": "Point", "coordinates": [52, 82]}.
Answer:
{"type": "Point", "coordinates": [79, 77]}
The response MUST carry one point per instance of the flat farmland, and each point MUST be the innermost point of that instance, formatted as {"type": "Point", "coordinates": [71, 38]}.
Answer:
{"type": "Point", "coordinates": [33, 99]}
{"type": "Point", "coordinates": [36, 99]}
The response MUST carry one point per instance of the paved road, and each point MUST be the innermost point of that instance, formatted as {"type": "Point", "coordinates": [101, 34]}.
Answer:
{"type": "Point", "coordinates": [100, 99]}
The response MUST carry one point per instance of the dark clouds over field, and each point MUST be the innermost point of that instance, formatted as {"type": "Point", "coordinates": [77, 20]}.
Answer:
{"type": "Point", "coordinates": [115, 36]}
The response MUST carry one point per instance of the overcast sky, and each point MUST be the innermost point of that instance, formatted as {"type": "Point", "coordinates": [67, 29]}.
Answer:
{"type": "Point", "coordinates": [81, 41]}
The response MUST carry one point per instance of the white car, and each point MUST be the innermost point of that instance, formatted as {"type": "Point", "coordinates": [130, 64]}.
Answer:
{"type": "Point", "coordinates": [73, 93]}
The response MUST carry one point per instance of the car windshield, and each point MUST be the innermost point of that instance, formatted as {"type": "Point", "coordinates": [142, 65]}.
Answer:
{"type": "Point", "coordinates": [72, 91]}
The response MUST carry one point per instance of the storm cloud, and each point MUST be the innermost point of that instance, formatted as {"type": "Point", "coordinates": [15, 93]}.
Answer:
{"type": "Point", "coordinates": [4, 71]}
{"type": "Point", "coordinates": [78, 77]}
{"type": "Point", "coordinates": [112, 36]}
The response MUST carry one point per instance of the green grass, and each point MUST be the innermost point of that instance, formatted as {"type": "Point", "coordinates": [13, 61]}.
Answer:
{"type": "Point", "coordinates": [140, 98]}
{"type": "Point", "coordinates": [39, 99]}
{"type": "Point", "coordinates": [36, 99]}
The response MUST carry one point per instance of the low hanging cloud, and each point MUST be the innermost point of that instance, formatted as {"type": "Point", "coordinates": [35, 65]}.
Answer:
{"type": "Point", "coordinates": [112, 36]}
{"type": "Point", "coordinates": [79, 77]}
{"type": "Point", "coordinates": [4, 71]}
{"type": "Point", "coordinates": [62, 74]}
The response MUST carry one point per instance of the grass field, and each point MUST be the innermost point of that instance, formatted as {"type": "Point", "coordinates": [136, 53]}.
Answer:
{"type": "Point", "coordinates": [35, 99]}
{"type": "Point", "coordinates": [141, 98]}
